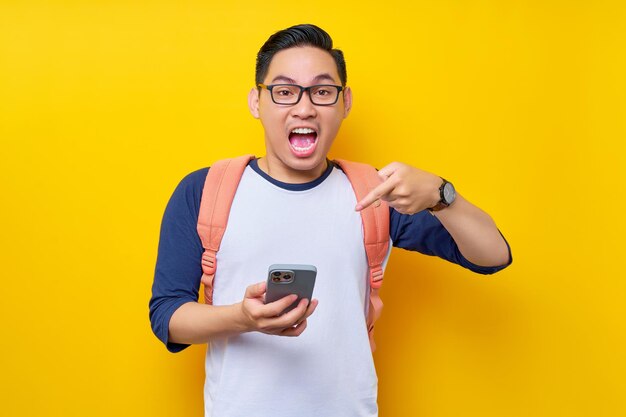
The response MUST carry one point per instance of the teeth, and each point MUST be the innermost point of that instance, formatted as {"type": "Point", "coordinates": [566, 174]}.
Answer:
{"type": "Point", "coordinates": [299, 149]}
{"type": "Point", "coordinates": [303, 130]}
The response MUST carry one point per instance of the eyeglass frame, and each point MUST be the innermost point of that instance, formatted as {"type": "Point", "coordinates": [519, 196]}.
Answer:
{"type": "Point", "coordinates": [269, 88]}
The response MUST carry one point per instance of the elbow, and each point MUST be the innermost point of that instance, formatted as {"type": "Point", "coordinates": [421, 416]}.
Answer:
{"type": "Point", "coordinates": [489, 265]}
{"type": "Point", "coordinates": [491, 260]}
{"type": "Point", "coordinates": [503, 259]}
{"type": "Point", "coordinates": [501, 256]}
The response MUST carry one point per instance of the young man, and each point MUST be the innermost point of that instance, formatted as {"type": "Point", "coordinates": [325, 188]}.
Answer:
{"type": "Point", "coordinates": [294, 206]}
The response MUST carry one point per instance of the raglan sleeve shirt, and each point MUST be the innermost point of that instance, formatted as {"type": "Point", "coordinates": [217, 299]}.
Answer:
{"type": "Point", "coordinates": [422, 232]}
{"type": "Point", "coordinates": [178, 268]}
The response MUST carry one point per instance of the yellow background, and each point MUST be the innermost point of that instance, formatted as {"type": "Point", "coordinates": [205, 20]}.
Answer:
{"type": "Point", "coordinates": [105, 106]}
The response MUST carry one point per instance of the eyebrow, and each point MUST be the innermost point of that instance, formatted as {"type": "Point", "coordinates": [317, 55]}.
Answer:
{"type": "Point", "coordinates": [318, 78]}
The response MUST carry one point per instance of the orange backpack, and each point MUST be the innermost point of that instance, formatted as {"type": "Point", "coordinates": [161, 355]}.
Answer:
{"type": "Point", "coordinates": [219, 191]}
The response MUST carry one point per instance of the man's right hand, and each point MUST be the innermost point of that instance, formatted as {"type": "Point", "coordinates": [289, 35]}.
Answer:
{"type": "Point", "coordinates": [266, 318]}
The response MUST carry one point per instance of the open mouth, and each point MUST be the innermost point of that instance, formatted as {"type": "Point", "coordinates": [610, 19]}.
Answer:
{"type": "Point", "coordinates": [303, 141]}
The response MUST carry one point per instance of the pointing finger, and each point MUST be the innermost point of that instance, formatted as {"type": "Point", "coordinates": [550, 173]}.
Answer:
{"type": "Point", "coordinates": [380, 191]}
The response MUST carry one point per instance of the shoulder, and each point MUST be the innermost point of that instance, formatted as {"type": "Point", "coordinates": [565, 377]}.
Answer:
{"type": "Point", "coordinates": [193, 183]}
{"type": "Point", "coordinates": [188, 193]}
{"type": "Point", "coordinates": [354, 166]}
{"type": "Point", "coordinates": [194, 180]}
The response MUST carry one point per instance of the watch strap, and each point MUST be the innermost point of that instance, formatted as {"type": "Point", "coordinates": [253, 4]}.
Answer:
{"type": "Point", "coordinates": [442, 203]}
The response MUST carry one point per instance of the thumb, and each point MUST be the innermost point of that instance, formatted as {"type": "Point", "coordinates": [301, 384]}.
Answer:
{"type": "Point", "coordinates": [255, 290]}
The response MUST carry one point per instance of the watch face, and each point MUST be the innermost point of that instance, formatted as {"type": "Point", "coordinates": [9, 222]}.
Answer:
{"type": "Point", "coordinates": [448, 193]}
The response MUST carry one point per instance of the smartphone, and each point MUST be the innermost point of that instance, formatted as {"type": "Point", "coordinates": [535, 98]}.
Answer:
{"type": "Point", "coordinates": [286, 279]}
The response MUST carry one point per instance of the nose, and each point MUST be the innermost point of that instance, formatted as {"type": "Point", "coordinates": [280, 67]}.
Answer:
{"type": "Point", "coordinates": [305, 107]}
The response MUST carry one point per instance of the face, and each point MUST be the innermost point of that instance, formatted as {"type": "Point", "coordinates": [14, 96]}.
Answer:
{"type": "Point", "coordinates": [298, 137]}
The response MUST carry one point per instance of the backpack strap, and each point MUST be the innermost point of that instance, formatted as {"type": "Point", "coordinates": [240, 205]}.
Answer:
{"type": "Point", "coordinates": [375, 220]}
{"type": "Point", "coordinates": [217, 197]}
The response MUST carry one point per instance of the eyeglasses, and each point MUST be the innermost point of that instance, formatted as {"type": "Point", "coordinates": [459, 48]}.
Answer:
{"type": "Point", "coordinates": [290, 94]}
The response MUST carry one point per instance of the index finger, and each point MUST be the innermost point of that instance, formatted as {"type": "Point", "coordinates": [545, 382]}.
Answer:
{"type": "Point", "coordinates": [255, 290]}
{"type": "Point", "coordinates": [380, 191]}
{"type": "Point", "coordinates": [274, 308]}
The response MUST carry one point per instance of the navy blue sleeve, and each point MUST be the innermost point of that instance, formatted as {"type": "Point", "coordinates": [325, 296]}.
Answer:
{"type": "Point", "coordinates": [424, 233]}
{"type": "Point", "coordinates": [178, 267]}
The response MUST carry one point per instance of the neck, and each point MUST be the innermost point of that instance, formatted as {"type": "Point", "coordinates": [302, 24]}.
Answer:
{"type": "Point", "coordinates": [282, 173]}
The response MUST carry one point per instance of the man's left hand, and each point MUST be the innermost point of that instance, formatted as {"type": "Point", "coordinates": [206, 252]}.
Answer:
{"type": "Point", "coordinates": [407, 189]}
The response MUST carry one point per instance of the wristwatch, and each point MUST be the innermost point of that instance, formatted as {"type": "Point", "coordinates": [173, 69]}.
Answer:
{"type": "Point", "coordinates": [447, 195]}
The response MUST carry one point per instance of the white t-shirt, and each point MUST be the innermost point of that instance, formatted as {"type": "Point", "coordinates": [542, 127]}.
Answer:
{"type": "Point", "coordinates": [329, 369]}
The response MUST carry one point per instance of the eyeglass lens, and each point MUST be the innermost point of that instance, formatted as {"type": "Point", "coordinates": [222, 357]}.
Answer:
{"type": "Point", "coordinates": [290, 94]}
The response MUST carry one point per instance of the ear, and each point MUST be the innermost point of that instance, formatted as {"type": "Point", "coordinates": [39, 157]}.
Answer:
{"type": "Point", "coordinates": [347, 101]}
{"type": "Point", "coordinates": [253, 102]}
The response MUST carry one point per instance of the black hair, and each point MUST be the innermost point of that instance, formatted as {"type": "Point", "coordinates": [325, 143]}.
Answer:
{"type": "Point", "coordinates": [299, 35]}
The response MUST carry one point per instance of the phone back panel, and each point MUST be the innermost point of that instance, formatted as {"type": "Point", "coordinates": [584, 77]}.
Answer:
{"type": "Point", "coordinates": [302, 283]}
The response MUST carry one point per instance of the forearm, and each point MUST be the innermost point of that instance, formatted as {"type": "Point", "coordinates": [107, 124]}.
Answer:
{"type": "Point", "coordinates": [198, 323]}
{"type": "Point", "coordinates": [474, 232]}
